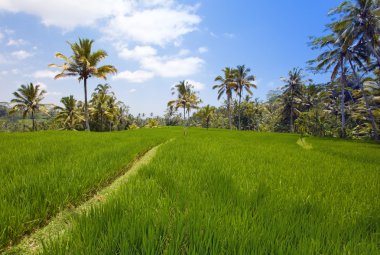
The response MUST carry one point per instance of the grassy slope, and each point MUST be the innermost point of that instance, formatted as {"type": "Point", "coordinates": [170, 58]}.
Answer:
{"type": "Point", "coordinates": [222, 192]}
{"type": "Point", "coordinates": [43, 172]}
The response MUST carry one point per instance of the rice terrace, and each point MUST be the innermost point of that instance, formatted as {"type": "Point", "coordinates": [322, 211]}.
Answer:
{"type": "Point", "coordinates": [133, 127]}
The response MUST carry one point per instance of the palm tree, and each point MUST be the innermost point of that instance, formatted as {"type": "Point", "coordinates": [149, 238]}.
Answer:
{"type": "Point", "coordinates": [359, 24]}
{"type": "Point", "coordinates": [334, 58]}
{"type": "Point", "coordinates": [186, 98]}
{"type": "Point", "coordinates": [70, 115]}
{"type": "Point", "coordinates": [27, 99]}
{"type": "Point", "coordinates": [363, 92]}
{"type": "Point", "coordinates": [293, 92]}
{"type": "Point", "coordinates": [243, 82]}
{"type": "Point", "coordinates": [227, 86]}
{"type": "Point", "coordinates": [83, 63]}
{"type": "Point", "coordinates": [206, 113]}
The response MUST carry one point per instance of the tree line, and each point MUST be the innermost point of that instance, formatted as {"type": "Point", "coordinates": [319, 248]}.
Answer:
{"type": "Point", "coordinates": [348, 105]}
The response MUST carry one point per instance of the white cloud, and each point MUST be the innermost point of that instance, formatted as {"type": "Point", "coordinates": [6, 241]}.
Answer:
{"type": "Point", "coordinates": [138, 52]}
{"type": "Point", "coordinates": [138, 76]}
{"type": "Point", "coordinates": [158, 26]}
{"type": "Point", "coordinates": [42, 85]}
{"type": "Point", "coordinates": [44, 74]}
{"type": "Point", "coordinates": [172, 67]}
{"type": "Point", "coordinates": [132, 90]}
{"type": "Point", "coordinates": [184, 52]}
{"type": "Point", "coordinates": [70, 13]}
{"type": "Point", "coordinates": [197, 85]}
{"type": "Point", "coordinates": [17, 42]}
{"type": "Point", "coordinates": [202, 50]}
{"type": "Point", "coordinates": [45, 87]}
{"type": "Point", "coordinates": [1, 36]}
{"type": "Point", "coordinates": [21, 54]}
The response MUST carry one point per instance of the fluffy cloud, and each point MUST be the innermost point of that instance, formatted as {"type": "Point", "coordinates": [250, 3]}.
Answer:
{"type": "Point", "coordinates": [149, 24]}
{"type": "Point", "coordinates": [138, 52]}
{"type": "Point", "coordinates": [70, 13]}
{"type": "Point", "coordinates": [172, 67]}
{"type": "Point", "coordinates": [138, 76]}
{"type": "Point", "coordinates": [44, 74]}
{"type": "Point", "coordinates": [158, 26]}
{"type": "Point", "coordinates": [21, 54]}
{"type": "Point", "coordinates": [197, 85]}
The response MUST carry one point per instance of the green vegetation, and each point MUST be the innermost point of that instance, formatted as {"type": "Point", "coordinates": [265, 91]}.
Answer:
{"type": "Point", "coordinates": [42, 173]}
{"type": "Point", "coordinates": [84, 64]}
{"type": "Point", "coordinates": [223, 192]}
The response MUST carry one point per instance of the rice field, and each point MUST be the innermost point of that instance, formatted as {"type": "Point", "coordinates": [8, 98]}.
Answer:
{"type": "Point", "coordinates": [42, 173]}
{"type": "Point", "coordinates": [211, 192]}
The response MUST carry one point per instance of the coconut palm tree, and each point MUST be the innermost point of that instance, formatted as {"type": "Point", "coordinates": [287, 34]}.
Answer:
{"type": "Point", "coordinates": [28, 100]}
{"type": "Point", "coordinates": [243, 82]}
{"type": "Point", "coordinates": [206, 113]}
{"type": "Point", "coordinates": [227, 86]}
{"type": "Point", "coordinates": [293, 92]}
{"type": "Point", "coordinates": [334, 59]}
{"type": "Point", "coordinates": [183, 90]}
{"type": "Point", "coordinates": [70, 115]}
{"type": "Point", "coordinates": [359, 23]}
{"type": "Point", "coordinates": [356, 57]}
{"type": "Point", "coordinates": [83, 63]}
{"type": "Point", "coordinates": [186, 99]}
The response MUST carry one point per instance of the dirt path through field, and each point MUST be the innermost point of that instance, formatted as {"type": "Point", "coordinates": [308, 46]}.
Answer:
{"type": "Point", "coordinates": [32, 244]}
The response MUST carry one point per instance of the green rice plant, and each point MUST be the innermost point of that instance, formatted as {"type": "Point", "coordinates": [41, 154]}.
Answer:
{"type": "Point", "coordinates": [42, 173]}
{"type": "Point", "coordinates": [227, 192]}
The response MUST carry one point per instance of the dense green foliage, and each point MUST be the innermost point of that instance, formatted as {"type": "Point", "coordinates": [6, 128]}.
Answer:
{"type": "Point", "coordinates": [222, 192]}
{"type": "Point", "coordinates": [41, 173]}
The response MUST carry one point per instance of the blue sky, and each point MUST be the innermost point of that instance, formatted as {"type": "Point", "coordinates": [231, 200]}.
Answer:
{"type": "Point", "coordinates": [156, 43]}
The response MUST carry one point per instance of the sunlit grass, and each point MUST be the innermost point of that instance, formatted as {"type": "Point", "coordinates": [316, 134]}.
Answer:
{"type": "Point", "coordinates": [43, 172]}
{"type": "Point", "coordinates": [222, 192]}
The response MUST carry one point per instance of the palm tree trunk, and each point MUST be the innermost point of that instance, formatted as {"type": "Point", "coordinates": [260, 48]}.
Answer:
{"type": "Point", "coordinates": [373, 122]}
{"type": "Point", "coordinates": [85, 105]}
{"type": "Point", "coordinates": [343, 81]}
{"type": "Point", "coordinates": [229, 111]}
{"type": "Point", "coordinates": [184, 120]}
{"type": "Point", "coordinates": [291, 117]}
{"type": "Point", "coordinates": [33, 122]}
{"type": "Point", "coordinates": [239, 114]}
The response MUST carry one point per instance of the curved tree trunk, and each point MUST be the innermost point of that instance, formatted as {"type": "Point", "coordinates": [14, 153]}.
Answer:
{"type": "Point", "coordinates": [371, 117]}
{"type": "Point", "coordinates": [86, 106]}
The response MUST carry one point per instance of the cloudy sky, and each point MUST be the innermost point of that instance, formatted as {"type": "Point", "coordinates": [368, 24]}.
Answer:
{"type": "Point", "coordinates": [156, 43]}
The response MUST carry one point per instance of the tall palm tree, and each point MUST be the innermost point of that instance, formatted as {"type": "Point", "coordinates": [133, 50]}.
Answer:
{"type": "Point", "coordinates": [243, 82]}
{"type": "Point", "coordinates": [334, 59]}
{"type": "Point", "coordinates": [70, 115]}
{"type": "Point", "coordinates": [185, 97]}
{"type": "Point", "coordinates": [359, 24]}
{"type": "Point", "coordinates": [293, 92]}
{"type": "Point", "coordinates": [28, 100]}
{"type": "Point", "coordinates": [227, 86]}
{"type": "Point", "coordinates": [83, 63]}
